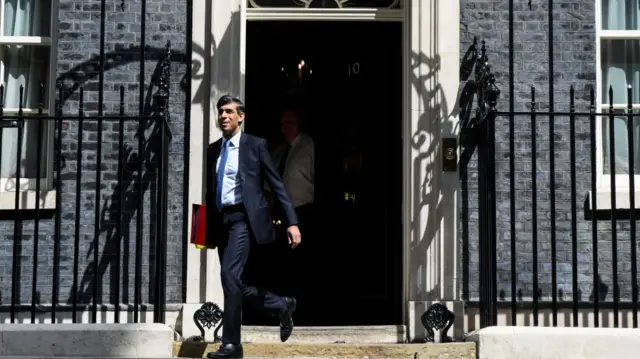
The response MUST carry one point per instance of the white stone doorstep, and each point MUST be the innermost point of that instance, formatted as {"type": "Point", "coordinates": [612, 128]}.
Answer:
{"type": "Point", "coordinates": [143, 340]}
{"type": "Point", "coordinates": [507, 342]}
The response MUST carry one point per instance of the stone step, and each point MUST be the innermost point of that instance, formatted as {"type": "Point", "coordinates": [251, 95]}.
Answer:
{"type": "Point", "coordinates": [378, 334]}
{"type": "Point", "coordinates": [462, 350]}
{"type": "Point", "coordinates": [374, 334]}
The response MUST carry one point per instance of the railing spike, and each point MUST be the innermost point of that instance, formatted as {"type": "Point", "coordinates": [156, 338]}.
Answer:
{"type": "Point", "coordinates": [1, 96]}
{"type": "Point", "coordinates": [572, 96]}
{"type": "Point", "coordinates": [611, 96]}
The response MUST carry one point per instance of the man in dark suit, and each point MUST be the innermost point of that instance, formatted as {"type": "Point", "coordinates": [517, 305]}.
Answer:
{"type": "Point", "coordinates": [238, 214]}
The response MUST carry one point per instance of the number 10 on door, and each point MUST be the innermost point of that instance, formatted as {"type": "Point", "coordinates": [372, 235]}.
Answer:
{"type": "Point", "coordinates": [354, 69]}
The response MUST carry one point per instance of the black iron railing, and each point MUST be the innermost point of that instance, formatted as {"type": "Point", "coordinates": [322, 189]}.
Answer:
{"type": "Point", "coordinates": [486, 95]}
{"type": "Point", "coordinates": [568, 238]}
{"type": "Point", "coordinates": [108, 171]}
{"type": "Point", "coordinates": [87, 150]}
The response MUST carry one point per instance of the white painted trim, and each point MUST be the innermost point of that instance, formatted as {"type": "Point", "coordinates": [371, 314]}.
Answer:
{"type": "Point", "coordinates": [603, 181]}
{"type": "Point", "coordinates": [623, 199]}
{"type": "Point", "coordinates": [25, 111]}
{"type": "Point", "coordinates": [406, 160]}
{"type": "Point", "coordinates": [619, 106]}
{"type": "Point", "coordinates": [434, 254]}
{"type": "Point", "coordinates": [243, 49]}
{"type": "Point", "coordinates": [616, 34]}
{"type": "Point", "coordinates": [27, 200]}
{"type": "Point", "coordinates": [307, 3]}
{"type": "Point", "coordinates": [106, 314]}
{"type": "Point", "coordinates": [26, 40]}
{"type": "Point", "coordinates": [599, 152]}
{"type": "Point", "coordinates": [421, 33]}
{"type": "Point", "coordinates": [28, 185]}
{"type": "Point", "coordinates": [53, 73]}
{"type": "Point", "coordinates": [621, 180]}
{"type": "Point", "coordinates": [525, 317]}
{"type": "Point", "coordinates": [197, 143]}
{"type": "Point", "coordinates": [215, 23]}
{"type": "Point", "coordinates": [304, 14]}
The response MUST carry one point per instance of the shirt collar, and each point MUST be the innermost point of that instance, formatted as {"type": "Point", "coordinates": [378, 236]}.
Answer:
{"type": "Point", "coordinates": [296, 140]}
{"type": "Point", "coordinates": [235, 140]}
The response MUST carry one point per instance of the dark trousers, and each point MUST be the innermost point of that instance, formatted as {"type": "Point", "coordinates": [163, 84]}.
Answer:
{"type": "Point", "coordinates": [233, 252]}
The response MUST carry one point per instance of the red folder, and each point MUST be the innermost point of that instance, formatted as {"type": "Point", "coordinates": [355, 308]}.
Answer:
{"type": "Point", "coordinates": [199, 226]}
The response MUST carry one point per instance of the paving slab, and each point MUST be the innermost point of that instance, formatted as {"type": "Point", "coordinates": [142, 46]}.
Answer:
{"type": "Point", "coordinates": [460, 350]}
{"type": "Point", "coordinates": [142, 340]}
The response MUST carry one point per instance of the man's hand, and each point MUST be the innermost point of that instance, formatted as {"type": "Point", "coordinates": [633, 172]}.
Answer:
{"type": "Point", "coordinates": [293, 235]}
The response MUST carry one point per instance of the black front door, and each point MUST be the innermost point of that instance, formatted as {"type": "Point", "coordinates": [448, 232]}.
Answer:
{"type": "Point", "coordinates": [350, 87]}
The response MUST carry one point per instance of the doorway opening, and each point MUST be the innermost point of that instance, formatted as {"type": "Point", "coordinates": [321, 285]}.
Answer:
{"type": "Point", "coordinates": [345, 81]}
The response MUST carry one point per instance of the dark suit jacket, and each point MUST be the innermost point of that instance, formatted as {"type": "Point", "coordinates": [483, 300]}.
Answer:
{"type": "Point", "coordinates": [254, 166]}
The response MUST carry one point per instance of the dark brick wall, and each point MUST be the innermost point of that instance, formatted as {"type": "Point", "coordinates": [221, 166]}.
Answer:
{"type": "Point", "coordinates": [77, 48]}
{"type": "Point", "coordinates": [574, 61]}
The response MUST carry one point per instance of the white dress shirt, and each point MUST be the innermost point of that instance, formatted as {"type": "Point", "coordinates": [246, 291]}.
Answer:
{"type": "Point", "coordinates": [231, 190]}
{"type": "Point", "coordinates": [299, 169]}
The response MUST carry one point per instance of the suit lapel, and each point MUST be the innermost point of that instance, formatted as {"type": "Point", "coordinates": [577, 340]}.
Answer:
{"type": "Point", "coordinates": [242, 156]}
{"type": "Point", "coordinates": [215, 153]}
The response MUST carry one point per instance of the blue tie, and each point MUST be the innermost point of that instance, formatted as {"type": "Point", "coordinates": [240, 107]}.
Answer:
{"type": "Point", "coordinates": [220, 173]}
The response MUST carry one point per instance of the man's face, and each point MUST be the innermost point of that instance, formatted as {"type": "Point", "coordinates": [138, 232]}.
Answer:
{"type": "Point", "coordinates": [229, 119]}
{"type": "Point", "coordinates": [289, 125]}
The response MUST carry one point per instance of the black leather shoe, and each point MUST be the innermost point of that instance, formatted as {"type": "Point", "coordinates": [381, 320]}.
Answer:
{"type": "Point", "coordinates": [227, 351]}
{"type": "Point", "coordinates": [286, 318]}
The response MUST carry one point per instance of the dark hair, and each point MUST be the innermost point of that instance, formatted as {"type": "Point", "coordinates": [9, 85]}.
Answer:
{"type": "Point", "coordinates": [298, 110]}
{"type": "Point", "coordinates": [227, 99]}
{"type": "Point", "coordinates": [299, 113]}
